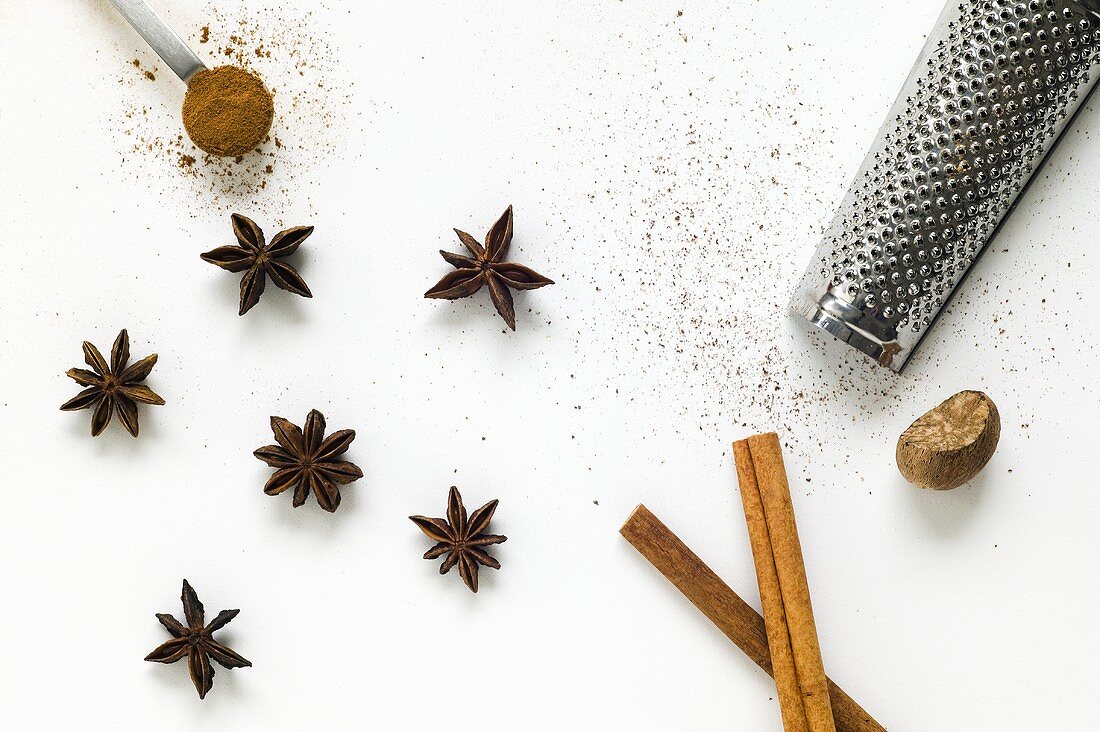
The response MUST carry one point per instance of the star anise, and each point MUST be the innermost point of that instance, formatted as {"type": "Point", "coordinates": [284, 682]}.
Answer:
{"type": "Point", "coordinates": [196, 642]}
{"type": "Point", "coordinates": [486, 268]}
{"type": "Point", "coordinates": [462, 539]}
{"type": "Point", "coordinates": [308, 461]}
{"type": "Point", "coordinates": [112, 387]}
{"type": "Point", "coordinates": [261, 260]}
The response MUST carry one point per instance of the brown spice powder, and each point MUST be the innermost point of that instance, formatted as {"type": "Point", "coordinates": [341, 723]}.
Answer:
{"type": "Point", "coordinates": [297, 63]}
{"type": "Point", "coordinates": [227, 110]}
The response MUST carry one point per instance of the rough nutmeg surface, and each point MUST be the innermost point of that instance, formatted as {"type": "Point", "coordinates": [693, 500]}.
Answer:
{"type": "Point", "coordinates": [948, 445]}
{"type": "Point", "coordinates": [227, 110]}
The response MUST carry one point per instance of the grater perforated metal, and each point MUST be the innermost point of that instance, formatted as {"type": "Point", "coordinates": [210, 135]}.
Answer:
{"type": "Point", "coordinates": [995, 86]}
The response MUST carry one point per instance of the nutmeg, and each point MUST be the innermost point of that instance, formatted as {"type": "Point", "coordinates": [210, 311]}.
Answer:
{"type": "Point", "coordinates": [948, 445]}
{"type": "Point", "coordinates": [227, 110]}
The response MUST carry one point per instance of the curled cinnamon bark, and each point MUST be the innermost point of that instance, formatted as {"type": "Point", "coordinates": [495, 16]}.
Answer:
{"type": "Point", "coordinates": [784, 590]}
{"type": "Point", "coordinates": [714, 598]}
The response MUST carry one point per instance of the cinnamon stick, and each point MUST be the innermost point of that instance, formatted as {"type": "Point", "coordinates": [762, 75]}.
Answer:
{"type": "Point", "coordinates": [771, 598]}
{"type": "Point", "coordinates": [732, 615]}
{"type": "Point", "coordinates": [775, 494]}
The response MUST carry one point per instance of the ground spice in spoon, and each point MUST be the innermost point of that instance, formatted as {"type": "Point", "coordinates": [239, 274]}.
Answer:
{"type": "Point", "coordinates": [227, 110]}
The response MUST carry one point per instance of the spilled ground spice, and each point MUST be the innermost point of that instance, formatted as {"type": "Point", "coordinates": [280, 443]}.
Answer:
{"type": "Point", "coordinates": [227, 110]}
{"type": "Point", "coordinates": [136, 63]}
{"type": "Point", "coordinates": [298, 65]}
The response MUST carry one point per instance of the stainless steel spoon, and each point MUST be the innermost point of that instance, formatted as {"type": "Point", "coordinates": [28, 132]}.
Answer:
{"type": "Point", "coordinates": [162, 39]}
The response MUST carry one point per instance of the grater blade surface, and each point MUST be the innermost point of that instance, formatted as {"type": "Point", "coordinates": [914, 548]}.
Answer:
{"type": "Point", "coordinates": [994, 88]}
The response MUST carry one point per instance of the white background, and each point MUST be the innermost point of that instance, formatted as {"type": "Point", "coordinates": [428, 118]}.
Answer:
{"type": "Point", "coordinates": [672, 173]}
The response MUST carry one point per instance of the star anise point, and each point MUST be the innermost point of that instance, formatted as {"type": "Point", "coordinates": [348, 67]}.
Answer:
{"type": "Point", "coordinates": [307, 461]}
{"type": "Point", "coordinates": [461, 537]}
{"type": "Point", "coordinates": [194, 640]}
{"type": "Point", "coordinates": [113, 387]}
{"type": "Point", "coordinates": [487, 268]}
{"type": "Point", "coordinates": [260, 260]}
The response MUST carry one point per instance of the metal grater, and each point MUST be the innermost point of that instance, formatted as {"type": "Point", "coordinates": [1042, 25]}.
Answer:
{"type": "Point", "coordinates": [995, 86]}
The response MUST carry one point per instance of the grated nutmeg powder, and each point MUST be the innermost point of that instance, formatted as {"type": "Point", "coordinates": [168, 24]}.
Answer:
{"type": "Point", "coordinates": [227, 110]}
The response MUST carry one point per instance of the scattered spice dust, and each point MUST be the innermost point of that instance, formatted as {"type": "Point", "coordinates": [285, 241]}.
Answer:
{"type": "Point", "coordinates": [149, 74]}
{"type": "Point", "coordinates": [711, 222]}
{"type": "Point", "coordinates": [311, 95]}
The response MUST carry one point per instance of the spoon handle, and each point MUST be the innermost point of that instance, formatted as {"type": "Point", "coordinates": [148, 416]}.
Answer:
{"type": "Point", "coordinates": [160, 37]}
